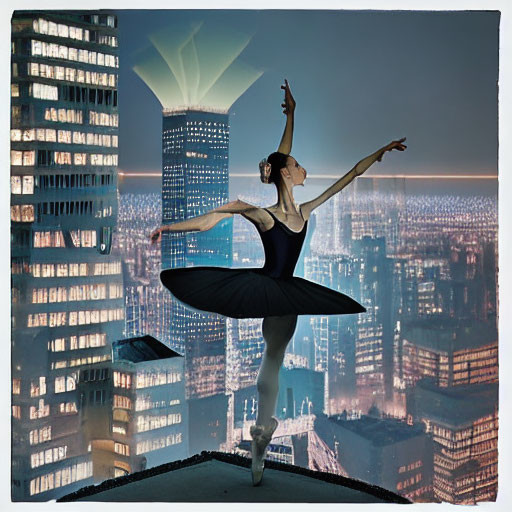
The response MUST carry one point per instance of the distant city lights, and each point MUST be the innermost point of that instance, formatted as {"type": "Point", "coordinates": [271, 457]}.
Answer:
{"type": "Point", "coordinates": [334, 176]}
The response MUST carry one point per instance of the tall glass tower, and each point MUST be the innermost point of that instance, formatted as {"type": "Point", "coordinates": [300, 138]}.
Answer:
{"type": "Point", "coordinates": [195, 180]}
{"type": "Point", "coordinates": [67, 289]}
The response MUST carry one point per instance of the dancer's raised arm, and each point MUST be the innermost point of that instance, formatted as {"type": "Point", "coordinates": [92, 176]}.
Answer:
{"type": "Point", "coordinates": [357, 170]}
{"type": "Point", "coordinates": [209, 220]}
{"type": "Point", "coordinates": [285, 146]}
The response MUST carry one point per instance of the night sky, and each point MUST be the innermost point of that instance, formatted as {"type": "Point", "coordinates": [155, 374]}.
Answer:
{"type": "Point", "coordinates": [360, 79]}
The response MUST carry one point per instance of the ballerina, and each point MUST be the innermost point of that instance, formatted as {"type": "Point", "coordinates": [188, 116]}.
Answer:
{"type": "Point", "coordinates": [270, 292]}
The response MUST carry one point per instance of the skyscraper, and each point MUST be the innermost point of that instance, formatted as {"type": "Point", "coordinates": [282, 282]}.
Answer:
{"type": "Point", "coordinates": [463, 422]}
{"type": "Point", "coordinates": [195, 180]}
{"type": "Point", "coordinates": [67, 290]}
{"type": "Point", "coordinates": [374, 335]}
{"type": "Point", "coordinates": [134, 414]}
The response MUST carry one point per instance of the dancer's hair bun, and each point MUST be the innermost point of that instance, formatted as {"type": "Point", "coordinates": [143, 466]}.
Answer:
{"type": "Point", "coordinates": [265, 171]}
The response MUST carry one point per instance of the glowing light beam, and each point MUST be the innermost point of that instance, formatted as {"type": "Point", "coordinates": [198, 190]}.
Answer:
{"type": "Point", "coordinates": [197, 66]}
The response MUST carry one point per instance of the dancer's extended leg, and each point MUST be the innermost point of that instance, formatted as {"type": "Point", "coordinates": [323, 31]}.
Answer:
{"type": "Point", "coordinates": [277, 332]}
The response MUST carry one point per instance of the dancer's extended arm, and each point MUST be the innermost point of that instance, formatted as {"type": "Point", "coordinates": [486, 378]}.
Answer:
{"type": "Point", "coordinates": [211, 219]}
{"type": "Point", "coordinates": [357, 170]}
{"type": "Point", "coordinates": [285, 146]}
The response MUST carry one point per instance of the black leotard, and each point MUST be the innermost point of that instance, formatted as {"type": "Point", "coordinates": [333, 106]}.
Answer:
{"type": "Point", "coordinates": [282, 248]}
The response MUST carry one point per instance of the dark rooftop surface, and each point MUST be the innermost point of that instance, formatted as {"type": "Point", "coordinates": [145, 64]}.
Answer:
{"type": "Point", "coordinates": [140, 349]}
{"type": "Point", "coordinates": [222, 477]}
{"type": "Point", "coordinates": [457, 405]}
{"type": "Point", "coordinates": [450, 335]}
{"type": "Point", "coordinates": [381, 431]}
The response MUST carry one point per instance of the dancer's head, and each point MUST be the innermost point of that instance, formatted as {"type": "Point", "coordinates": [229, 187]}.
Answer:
{"type": "Point", "coordinates": [278, 167]}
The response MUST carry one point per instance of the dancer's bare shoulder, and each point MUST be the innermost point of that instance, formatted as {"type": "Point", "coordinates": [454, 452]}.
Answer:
{"type": "Point", "coordinates": [253, 213]}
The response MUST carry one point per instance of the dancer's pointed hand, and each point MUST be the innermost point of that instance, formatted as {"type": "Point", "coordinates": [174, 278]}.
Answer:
{"type": "Point", "coordinates": [289, 101]}
{"type": "Point", "coordinates": [156, 236]}
{"type": "Point", "coordinates": [396, 144]}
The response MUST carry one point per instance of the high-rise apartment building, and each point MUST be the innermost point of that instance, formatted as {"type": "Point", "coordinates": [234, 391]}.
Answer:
{"type": "Point", "coordinates": [463, 423]}
{"type": "Point", "coordinates": [334, 336]}
{"type": "Point", "coordinates": [244, 350]}
{"type": "Point", "coordinates": [374, 332]}
{"type": "Point", "coordinates": [133, 412]}
{"type": "Point", "coordinates": [386, 452]}
{"type": "Point", "coordinates": [451, 353]}
{"type": "Point", "coordinates": [67, 289]}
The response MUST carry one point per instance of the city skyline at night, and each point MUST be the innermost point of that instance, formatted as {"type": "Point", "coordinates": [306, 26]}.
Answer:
{"type": "Point", "coordinates": [410, 384]}
{"type": "Point", "coordinates": [422, 285]}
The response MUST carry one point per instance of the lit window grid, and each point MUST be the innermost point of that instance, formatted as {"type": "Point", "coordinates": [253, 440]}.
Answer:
{"type": "Point", "coordinates": [84, 292]}
{"type": "Point", "coordinates": [73, 318]}
{"type": "Point", "coordinates": [73, 75]}
{"type": "Point", "coordinates": [42, 270]}
{"type": "Point", "coordinates": [88, 360]}
{"type": "Point", "coordinates": [158, 443]}
{"type": "Point", "coordinates": [64, 30]}
{"type": "Point", "coordinates": [64, 158]}
{"type": "Point", "coordinates": [70, 53]}
{"type": "Point", "coordinates": [187, 191]}
{"type": "Point", "coordinates": [79, 361]}
{"type": "Point", "coordinates": [60, 478]}
{"type": "Point", "coordinates": [64, 137]}
{"type": "Point", "coordinates": [77, 342]}
{"type": "Point", "coordinates": [456, 446]}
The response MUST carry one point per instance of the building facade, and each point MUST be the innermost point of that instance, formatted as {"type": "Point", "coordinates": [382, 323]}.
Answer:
{"type": "Point", "coordinates": [449, 352]}
{"type": "Point", "coordinates": [463, 423]}
{"type": "Point", "coordinates": [374, 331]}
{"type": "Point", "coordinates": [386, 452]}
{"type": "Point", "coordinates": [133, 412]}
{"type": "Point", "coordinates": [195, 179]}
{"type": "Point", "coordinates": [67, 289]}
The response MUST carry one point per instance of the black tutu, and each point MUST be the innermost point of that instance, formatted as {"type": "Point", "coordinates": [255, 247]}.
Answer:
{"type": "Point", "coordinates": [259, 292]}
{"type": "Point", "coordinates": [249, 293]}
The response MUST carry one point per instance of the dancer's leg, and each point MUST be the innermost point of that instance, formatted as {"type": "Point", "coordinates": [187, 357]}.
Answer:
{"type": "Point", "coordinates": [277, 332]}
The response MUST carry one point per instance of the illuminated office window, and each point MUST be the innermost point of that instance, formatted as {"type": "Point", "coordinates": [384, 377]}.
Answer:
{"type": "Point", "coordinates": [80, 158]}
{"type": "Point", "coordinates": [16, 386]}
{"type": "Point", "coordinates": [44, 239]}
{"type": "Point", "coordinates": [122, 449]}
{"type": "Point", "coordinates": [15, 213]}
{"type": "Point", "coordinates": [28, 185]}
{"type": "Point", "coordinates": [22, 213]}
{"type": "Point", "coordinates": [15, 135]}
{"type": "Point", "coordinates": [68, 408]}
{"type": "Point", "coordinates": [122, 402]}
{"type": "Point", "coordinates": [64, 136]}
{"type": "Point", "coordinates": [40, 435]}
{"type": "Point", "coordinates": [44, 91]}
{"type": "Point", "coordinates": [122, 380]}
{"type": "Point", "coordinates": [15, 184]}
{"type": "Point", "coordinates": [22, 158]}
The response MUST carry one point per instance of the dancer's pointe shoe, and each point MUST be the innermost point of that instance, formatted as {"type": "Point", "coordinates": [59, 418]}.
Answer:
{"type": "Point", "coordinates": [261, 436]}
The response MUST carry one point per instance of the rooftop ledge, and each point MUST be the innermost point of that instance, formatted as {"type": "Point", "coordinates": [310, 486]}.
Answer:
{"type": "Point", "coordinates": [192, 108]}
{"type": "Point", "coordinates": [225, 477]}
